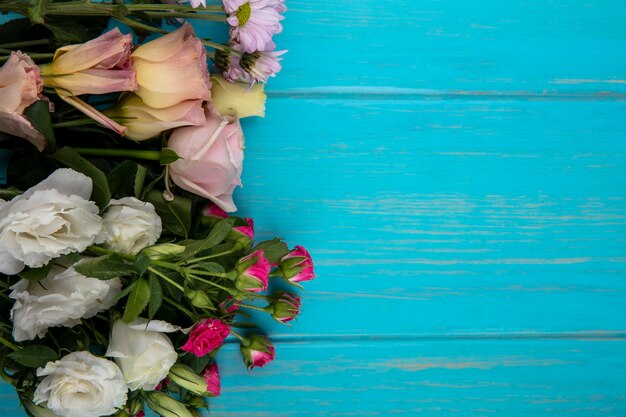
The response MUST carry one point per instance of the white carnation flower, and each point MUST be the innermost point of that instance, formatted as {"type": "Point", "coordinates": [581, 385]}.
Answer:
{"type": "Point", "coordinates": [53, 218]}
{"type": "Point", "coordinates": [81, 385]}
{"type": "Point", "coordinates": [143, 353]}
{"type": "Point", "coordinates": [61, 299]}
{"type": "Point", "coordinates": [131, 225]}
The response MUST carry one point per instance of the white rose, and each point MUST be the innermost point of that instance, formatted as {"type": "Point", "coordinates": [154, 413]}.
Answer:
{"type": "Point", "coordinates": [130, 225]}
{"type": "Point", "coordinates": [81, 385]}
{"type": "Point", "coordinates": [53, 218]}
{"type": "Point", "coordinates": [143, 353]}
{"type": "Point", "coordinates": [61, 299]}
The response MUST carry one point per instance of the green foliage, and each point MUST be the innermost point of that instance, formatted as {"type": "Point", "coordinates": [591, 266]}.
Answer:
{"type": "Point", "coordinates": [137, 300]}
{"type": "Point", "coordinates": [175, 215]}
{"type": "Point", "coordinates": [34, 356]}
{"type": "Point", "coordinates": [109, 266]}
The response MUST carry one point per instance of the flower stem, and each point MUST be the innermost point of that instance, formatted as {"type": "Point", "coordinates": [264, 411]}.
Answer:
{"type": "Point", "coordinates": [191, 315]}
{"type": "Point", "coordinates": [263, 309]}
{"type": "Point", "coordinates": [122, 153]}
{"type": "Point", "coordinates": [25, 43]}
{"type": "Point", "coordinates": [200, 16]}
{"type": "Point", "coordinates": [72, 123]}
{"type": "Point", "coordinates": [238, 336]}
{"type": "Point", "coordinates": [166, 278]}
{"type": "Point", "coordinates": [206, 281]}
{"type": "Point", "coordinates": [9, 344]}
{"type": "Point", "coordinates": [215, 255]}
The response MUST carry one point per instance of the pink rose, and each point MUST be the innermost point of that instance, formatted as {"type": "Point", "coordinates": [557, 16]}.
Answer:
{"type": "Point", "coordinates": [253, 272]}
{"type": "Point", "coordinates": [172, 68]}
{"type": "Point", "coordinates": [297, 265]}
{"type": "Point", "coordinates": [99, 66]}
{"type": "Point", "coordinates": [212, 377]}
{"type": "Point", "coordinates": [20, 86]}
{"type": "Point", "coordinates": [257, 350]}
{"type": "Point", "coordinates": [213, 210]}
{"type": "Point", "coordinates": [211, 159]}
{"type": "Point", "coordinates": [286, 307]}
{"type": "Point", "coordinates": [248, 230]}
{"type": "Point", "coordinates": [206, 336]}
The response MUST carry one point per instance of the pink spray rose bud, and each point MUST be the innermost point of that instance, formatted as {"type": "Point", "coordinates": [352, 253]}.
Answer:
{"type": "Point", "coordinates": [247, 230]}
{"type": "Point", "coordinates": [242, 236]}
{"type": "Point", "coordinates": [213, 210]}
{"type": "Point", "coordinates": [99, 66]}
{"type": "Point", "coordinates": [286, 307]}
{"type": "Point", "coordinates": [212, 377]}
{"type": "Point", "coordinates": [253, 272]}
{"type": "Point", "coordinates": [20, 86]}
{"type": "Point", "coordinates": [211, 159]}
{"type": "Point", "coordinates": [172, 68]}
{"type": "Point", "coordinates": [257, 350]}
{"type": "Point", "coordinates": [206, 336]}
{"type": "Point", "coordinates": [145, 122]}
{"type": "Point", "coordinates": [297, 266]}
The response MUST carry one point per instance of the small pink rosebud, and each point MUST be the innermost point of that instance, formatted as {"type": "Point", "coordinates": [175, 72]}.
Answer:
{"type": "Point", "coordinates": [248, 230]}
{"type": "Point", "coordinates": [216, 147]}
{"type": "Point", "coordinates": [286, 307]}
{"type": "Point", "coordinates": [213, 210]}
{"type": "Point", "coordinates": [297, 265]}
{"type": "Point", "coordinates": [230, 305]}
{"type": "Point", "coordinates": [206, 336]}
{"type": "Point", "coordinates": [20, 86]}
{"type": "Point", "coordinates": [140, 413]}
{"type": "Point", "coordinates": [253, 272]}
{"type": "Point", "coordinates": [257, 350]}
{"type": "Point", "coordinates": [212, 377]}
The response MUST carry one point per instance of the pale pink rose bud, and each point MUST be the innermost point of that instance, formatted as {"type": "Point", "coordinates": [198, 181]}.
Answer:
{"type": "Point", "coordinates": [99, 66]}
{"type": "Point", "coordinates": [253, 272]}
{"type": "Point", "coordinates": [20, 86]}
{"type": "Point", "coordinates": [257, 350]}
{"type": "Point", "coordinates": [172, 68]}
{"type": "Point", "coordinates": [286, 307]}
{"type": "Point", "coordinates": [145, 122]}
{"type": "Point", "coordinates": [211, 159]}
{"type": "Point", "coordinates": [206, 336]}
{"type": "Point", "coordinates": [297, 265]}
{"type": "Point", "coordinates": [212, 377]}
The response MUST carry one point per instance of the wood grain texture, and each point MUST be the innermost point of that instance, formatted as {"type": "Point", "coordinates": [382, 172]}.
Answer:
{"type": "Point", "coordinates": [457, 169]}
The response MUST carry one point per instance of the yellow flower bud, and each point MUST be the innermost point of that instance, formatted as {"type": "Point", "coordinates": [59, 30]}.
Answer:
{"type": "Point", "coordinates": [237, 99]}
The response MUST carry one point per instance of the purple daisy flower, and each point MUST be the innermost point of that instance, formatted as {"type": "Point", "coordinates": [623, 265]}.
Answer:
{"type": "Point", "coordinates": [254, 23]}
{"type": "Point", "coordinates": [256, 67]}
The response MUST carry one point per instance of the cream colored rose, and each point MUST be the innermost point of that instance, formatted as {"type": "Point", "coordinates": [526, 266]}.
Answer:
{"type": "Point", "coordinates": [237, 99]}
{"type": "Point", "coordinates": [81, 385]}
{"type": "Point", "coordinates": [143, 353]}
{"type": "Point", "coordinates": [61, 299]}
{"type": "Point", "coordinates": [130, 225]}
{"type": "Point", "coordinates": [53, 218]}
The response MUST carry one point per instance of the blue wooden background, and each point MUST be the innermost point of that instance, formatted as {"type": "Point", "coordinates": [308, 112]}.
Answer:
{"type": "Point", "coordinates": [457, 169]}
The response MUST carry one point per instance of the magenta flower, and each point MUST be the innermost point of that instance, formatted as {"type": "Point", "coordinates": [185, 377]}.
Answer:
{"type": "Point", "coordinates": [213, 210]}
{"type": "Point", "coordinates": [257, 351]}
{"type": "Point", "coordinates": [286, 307]}
{"type": "Point", "coordinates": [248, 230]}
{"type": "Point", "coordinates": [297, 265]}
{"type": "Point", "coordinates": [212, 377]}
{"type": "Point", "coordinates": [206, 336]}
{"type": "Point", "coordinates": [254, 23]}
{"type": "Point", "coordinates": [253, 272]}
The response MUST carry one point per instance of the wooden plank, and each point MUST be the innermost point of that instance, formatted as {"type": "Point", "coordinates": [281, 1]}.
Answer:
{"type": "Point", "coordinates": [474, 216]}
{"type": "Point", "coordinates": [436, 378]}
{"type": "Point", "coordinates": [469, 378]}
{"type": "Point", "coordinates": [486, 46]}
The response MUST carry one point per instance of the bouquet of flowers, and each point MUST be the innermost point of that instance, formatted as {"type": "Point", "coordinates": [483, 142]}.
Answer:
{"type": "Point", "coordinates": [122, 273]}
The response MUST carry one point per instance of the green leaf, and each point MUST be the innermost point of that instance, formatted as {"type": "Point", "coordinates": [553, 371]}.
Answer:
{"type": "Point", "coordinates": [36, 274]}
{"type": "Point", "coordinates": [156, 296]}
{"type": "Point", "coordinates": [273, 249]}
{"type": "Point", "coordinates": [168, 156]}
{"type": "Point", "coordinates": [175, 215]}
{"type": "Point", "coordinates": [137, 300]}
{"type": "Point", "coordinates": [109, 266]}
{"type": "Point", "coordinates": [216, 236]}
{"type": "Point", "coordinates": [38, 114]}
{"type": "Point", "coordinates": [142, 263]}
{"type": "Point", "coordinates": [140, 179]}
{"type": "Point", "coordinates": [66, 32]}
{"type": "Point", "coordinates": [37, 10]}
{"type": "Point", "coordinates": [118, 179]}
{"type": "Point", "coordinates": [210, 267]}
{"type": "Point", "coordinates": [34, 356]}
{"type": "Point", "coordinates": [101, 193]}
{"type": "Point", "coordinates": [124, 293]}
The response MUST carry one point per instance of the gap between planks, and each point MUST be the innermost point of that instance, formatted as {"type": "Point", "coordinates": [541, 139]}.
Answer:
{"type": "Point", "coordinates": [391, 93]}
{"type": "Point", "coordinates": [592, 335]}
